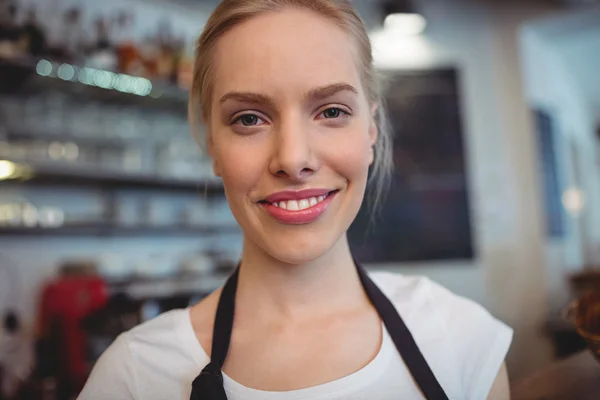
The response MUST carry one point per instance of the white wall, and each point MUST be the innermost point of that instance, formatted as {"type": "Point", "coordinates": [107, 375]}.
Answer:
{"type": "Point", "coordinates": [561, 55]}
{"type": "Point", "coordinates": [508, 276]}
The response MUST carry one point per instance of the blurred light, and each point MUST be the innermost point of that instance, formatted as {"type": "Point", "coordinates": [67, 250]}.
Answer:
{"type": "Point", "coordinates": [10, 214]}
{"type": "Point", "coordinates": [92, 75]}
{"type": "Point", "coordinates": [124, 83]}
{"type": "Point", "coordinates": [66, 72]}
{"type": "Point", "coordinates": [29, 215]}
{"type": "Point", "coordinates": [71, 151]}
{"type": "Point", "coordinates": [573, 200]}
{"type": "Point", "coordinates": [156, 93]}
{"type": "Point", "coordinates": [391, 51]}
{"type": "Point", "coordinates": [142, 87]}
{"type": "Point", "coordinates": [113, 79]}
{"type": "Point", "coordinates": [102, 79]}
{"type": "Point", "coordinates": [405, 24]}
{"type": "Point", "coordinates": [50, 217]}
{"type": "Point", "coordinates": [43, 68]}
{"type": "Point", "coordinates": [56, 150]}
{"type": "Point", "coordinates": [7, 169]}
{"type": "Point", "coordinates": [86, 76]}
{"type": "Point", "coordinates": [105, 79]}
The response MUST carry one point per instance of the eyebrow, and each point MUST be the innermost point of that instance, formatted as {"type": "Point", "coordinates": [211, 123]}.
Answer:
{"type": "Point", "coordinates": [313, 95]}
{"type": "Point", "coordinates": [248, 97]}
{"type": "Point", "coordinates": [329, 90]}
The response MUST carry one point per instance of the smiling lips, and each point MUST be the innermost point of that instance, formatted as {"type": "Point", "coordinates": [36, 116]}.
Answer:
{"type": "Point", "coordinates": [301, 207]}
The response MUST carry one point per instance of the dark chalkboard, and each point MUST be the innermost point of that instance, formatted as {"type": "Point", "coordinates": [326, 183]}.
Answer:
{"type": "Point", "coordinates": [426, 213]}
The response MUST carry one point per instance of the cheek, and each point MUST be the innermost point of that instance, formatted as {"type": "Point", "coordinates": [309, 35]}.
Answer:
{"type": "Point", "coordinates": [240, 164]}
{"type": "Point", "coordinates": [350, 156]}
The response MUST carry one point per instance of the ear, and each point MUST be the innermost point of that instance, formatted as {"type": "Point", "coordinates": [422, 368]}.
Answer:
{"type": "Point", "coordinates": [373, 132]}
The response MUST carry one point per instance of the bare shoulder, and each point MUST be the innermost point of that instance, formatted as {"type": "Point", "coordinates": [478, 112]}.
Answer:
{"type": "Point", "coordinates": [202, 317]}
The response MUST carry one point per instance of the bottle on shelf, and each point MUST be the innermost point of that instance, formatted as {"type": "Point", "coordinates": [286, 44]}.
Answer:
{"type": "Point", "coordinates": [34, 33]}
{"type": "Point", "coordinates": [12, 41]}
{"type": "Point", "coordinates": [102, 54]}
{"type": "Point", "coordinates": [71, 39]}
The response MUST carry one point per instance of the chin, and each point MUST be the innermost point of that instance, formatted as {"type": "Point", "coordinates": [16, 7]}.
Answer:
{"type": "Point", "coordinates": [299, 249]}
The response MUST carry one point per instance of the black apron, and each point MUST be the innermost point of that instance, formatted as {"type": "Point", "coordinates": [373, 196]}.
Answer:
{"type": "Point", "coordinates": [209, 384]}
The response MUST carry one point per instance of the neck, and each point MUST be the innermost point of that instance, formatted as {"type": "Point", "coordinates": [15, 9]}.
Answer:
{"type": "Point", "coordinates": [271, 288]}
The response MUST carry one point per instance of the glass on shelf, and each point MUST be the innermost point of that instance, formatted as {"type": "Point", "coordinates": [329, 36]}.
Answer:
{"type": "Point", "coordinates": [11, 112]}
{"type": "Point", "coordinates": [123, 123]}
{"type": "Point", "coordinates": [23, 214]}
{"type": "Point", "coordinates": [84, 120]}
{"type": "Point", "coordinates": [88, 155]}
{"type": "Point", "coordinates": [64, 152]}
{"type": "Point", "coordinates": [111, 159]}
{"type": "Point", "coordinates": [133, 160]}
{"type": "Point", "coordinates": [38, 151]}
{"type": "Point", "coordinates": [5, 149]}
{"type": "Point", "coordinates": [71, 152]}
{"type": "Point", "coordinates": [144, 123]}
{"type": "Point", "coordinates": [193, 214]}
{"type": "Point", "coordinates": [18, 151]}
{"type": "Point", "coordinates": [168, 128]}
{"type": "Point", "coordinates": [51, 217]}
{"type": "Point", "coordinates": [170, 158]}
{"type": "Point", "coordinates": [55, 113]}
{"type": "Point", "coordinates": [126, 213]}
{"type": "Point", "coordinates": [34, 114]}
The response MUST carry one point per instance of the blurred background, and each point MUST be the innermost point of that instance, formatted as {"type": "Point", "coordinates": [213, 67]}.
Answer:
{"type": "Point", "coordinates": [110, 215]}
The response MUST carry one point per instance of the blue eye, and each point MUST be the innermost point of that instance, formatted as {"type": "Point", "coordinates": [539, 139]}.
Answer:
{"type": "Point", "coordinates": [248, 120]}
{"type": "Point", "coordinates": [332, 113]}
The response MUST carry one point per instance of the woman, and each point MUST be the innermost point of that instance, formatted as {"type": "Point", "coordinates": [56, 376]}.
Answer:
{"type": "Point", "coordinates": [287, 92]}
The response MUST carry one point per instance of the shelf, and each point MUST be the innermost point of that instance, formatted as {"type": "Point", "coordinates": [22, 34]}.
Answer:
{"type": "Point", "coordinates": [108, 229]}
{"type": "Point", "coordinates": [23, 134]}
{"type": "Point", "coordinates": [23, 76]}
{"type": "Point", "coordinates": [88, 176]}
{"type": "Point", "coordinates": [165, 288]}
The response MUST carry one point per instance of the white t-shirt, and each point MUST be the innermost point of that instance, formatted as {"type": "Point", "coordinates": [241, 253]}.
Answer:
{"type": "Point", "coordinates": [463, 344]}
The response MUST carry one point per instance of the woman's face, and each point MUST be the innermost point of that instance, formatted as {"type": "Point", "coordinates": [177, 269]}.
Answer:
{"type": "Point", "coordinates": [290, 132]}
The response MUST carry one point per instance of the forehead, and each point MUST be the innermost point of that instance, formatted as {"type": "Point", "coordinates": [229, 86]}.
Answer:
{"type": "Point", "coordinates": [282, 53]}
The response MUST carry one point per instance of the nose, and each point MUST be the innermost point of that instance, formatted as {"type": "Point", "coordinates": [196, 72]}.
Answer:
{"type": "Point", "coordinates": [293, 154]}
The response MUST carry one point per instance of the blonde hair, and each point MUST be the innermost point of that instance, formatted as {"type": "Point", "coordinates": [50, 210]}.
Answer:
{"type": "Point", "coordinates": [230, 13]}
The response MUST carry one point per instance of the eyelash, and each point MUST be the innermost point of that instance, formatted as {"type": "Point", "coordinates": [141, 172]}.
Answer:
{"type": "Point", "coordinates": [343, 113]}
{"type": "Point", "coordinates": [237, 119]}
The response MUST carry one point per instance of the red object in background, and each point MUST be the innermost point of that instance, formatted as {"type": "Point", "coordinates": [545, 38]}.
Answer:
{"type": "Point", "coordinates": [65, 302]}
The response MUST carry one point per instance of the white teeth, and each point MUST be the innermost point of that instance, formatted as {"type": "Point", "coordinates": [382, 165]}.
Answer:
{"type": "Point", "coordinates": [303, 204]}
{"type": "Point", "coordinates": [292, 205]}
{"type": "Point", "coordinates": [298, 205]}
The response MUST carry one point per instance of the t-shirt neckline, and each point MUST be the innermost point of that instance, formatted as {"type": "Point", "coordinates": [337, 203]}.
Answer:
{"type": "Point", "coordinates": [349, 383]}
